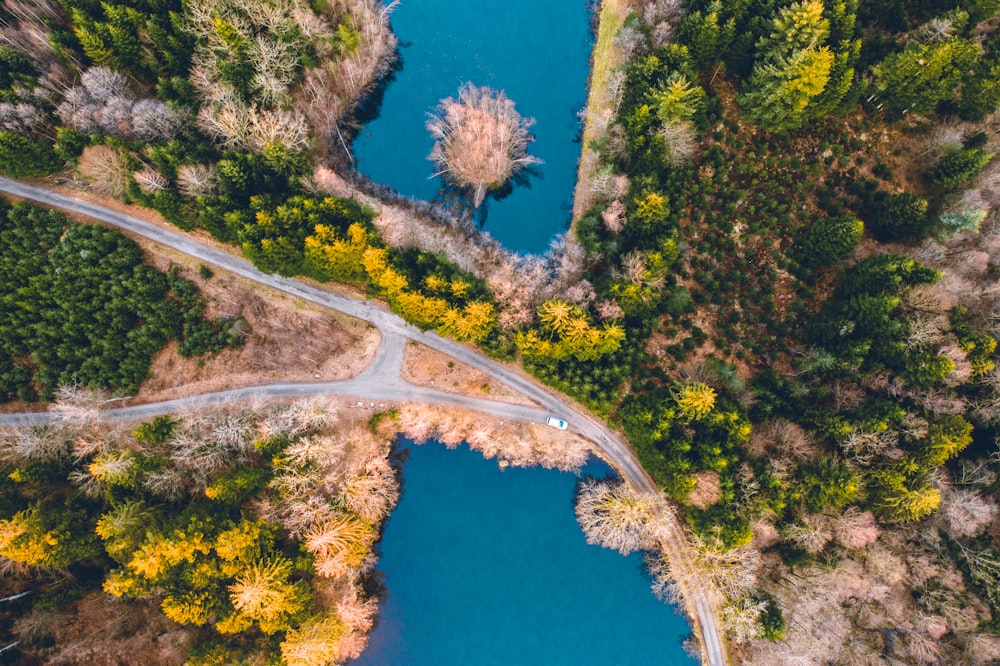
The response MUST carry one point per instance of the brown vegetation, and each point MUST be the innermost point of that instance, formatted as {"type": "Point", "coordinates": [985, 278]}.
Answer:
{"type": "Point", "coordinates": [511, 443]}
{"type": "Point", "coordinates": [286, 340]}
{"type": "Point", "coordinates": [481, 139]}
{"type": "Point", "coordinates": [106, 168]}
{"type": "Point", "coordinates": [613, 515]}
{"type": "Point", "coordinates": [426, 367]}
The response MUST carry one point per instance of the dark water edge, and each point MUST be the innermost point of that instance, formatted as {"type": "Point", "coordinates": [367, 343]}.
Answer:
{"type": "Point", "coordinates": [537, 52]}
{"type": "Point", "coordinates": [483, 566]}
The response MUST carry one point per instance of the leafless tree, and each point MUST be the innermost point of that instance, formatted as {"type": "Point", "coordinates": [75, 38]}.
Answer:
{"type": "Point", "coordinates": [855, 529]}
{"type": "Point", "coordinates": [19, 446]}
{"type": "Point", "coordinates": [680, 142]}
{"type": "Point", "coordinates": [609, 310]}
{"type": "Point", "coordinates": [106, 168]}
{"type": "Point", "coordinates": [614, 516]}
{"type": "Point", "coordinates": [23, 118]}
{"type": "Point", "coordinates": [152, 120]}
{"type": "Point", "coordinates": [966, 513]}
{"type": "Point", "coordinates": [373, 491]}
{"type": "Point", "coordinates": [614, 216]}
{"type": "Point", "coordinates": [480, 139]}
{"type": "Point", "coordinates": [150, 181]}
{"type": "Point", "coordinates": [195, 180]}
{"type": "Point", "coordinates": [78, 406]}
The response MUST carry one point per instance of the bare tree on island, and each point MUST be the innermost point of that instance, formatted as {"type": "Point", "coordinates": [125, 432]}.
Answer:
{"type": "Point", "coordinates": [480, 139]}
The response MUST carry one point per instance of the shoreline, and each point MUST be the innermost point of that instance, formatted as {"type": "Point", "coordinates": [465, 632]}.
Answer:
{"type": "Point", "coordinates": [604, 60]}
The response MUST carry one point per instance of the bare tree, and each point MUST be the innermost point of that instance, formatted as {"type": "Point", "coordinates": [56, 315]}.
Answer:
{"type": "Point", "coordinates": [78, 406]}
{"type": "Point", "coordinates": [19, 446]}
{"type": "Point", "coordinates": [966, 513]}
{"type": "Point", "coordinates": [614, 516]}
{"type": "Point", "coordinates": [480, 139]}
{"type": "Point", "coordinates": [152, 120]}
{"type": "Point", "coordinates": [106, 168]}
{"type": "Point", "coordinates": [855, 529]}
{"type": "Point", "coordinates": [195, 180]}
{"type": "Point", "coordinates": [150, 181]}
{"type": "Point", "coordinates": [103, 84]}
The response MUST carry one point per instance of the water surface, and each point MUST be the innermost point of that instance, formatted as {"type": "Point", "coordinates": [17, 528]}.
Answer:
{"type": "Point", "coordinates": [486, 567]}
{"type": "Point", "coordinates": [537, 51]}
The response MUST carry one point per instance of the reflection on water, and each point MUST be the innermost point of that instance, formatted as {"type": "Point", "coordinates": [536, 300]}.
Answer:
{"type": "Point", "coordinates": [537, 52]}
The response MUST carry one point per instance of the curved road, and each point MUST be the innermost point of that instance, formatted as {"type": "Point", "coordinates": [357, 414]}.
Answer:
{"type": "Point", "coordinates": [381, 381]}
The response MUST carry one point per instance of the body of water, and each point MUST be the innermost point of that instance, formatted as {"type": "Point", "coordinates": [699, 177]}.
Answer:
{"type": "Point", "coordinates": [484, 567]}
{"type": "Point", "coordinates": [538, 52]}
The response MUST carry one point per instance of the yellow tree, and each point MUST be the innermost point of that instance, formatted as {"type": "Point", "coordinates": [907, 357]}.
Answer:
{"type": "Point", "coordinates": [315, 643]}
{"type": "Point", "coordinates": [555, 314]}
{"type": "Point", "coordinates": [384, 276]}
{"type": "Point", "coordinates": [340, 544]}
{"type": "Point", "coordinates": [470, 324]}
{"type": "Point", "coordinates": [695, 400]}
{"type": "Point", "coordinates": [331, 256]}
{"type": "Point", "coordinates": [423, 311]}
{"type": "Point", "coordinates": [263, 593]}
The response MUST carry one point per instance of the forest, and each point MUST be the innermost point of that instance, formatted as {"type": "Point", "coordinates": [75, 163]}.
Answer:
{"type": "Point", "coordinates": [245, 533]}
{"type": "Point", "coordinates": [795, 212]}
{"type": "Point", "coordinates": [783, 292]}
{"type": "Point", "coordinates": [80, 308]}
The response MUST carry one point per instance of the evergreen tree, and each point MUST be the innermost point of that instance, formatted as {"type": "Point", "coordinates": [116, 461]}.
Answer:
{"type": "Point", "coordinates": [830, 239]}
{"type": "Point", "coordinates": [706, 35]}
{"type": "Point", "coordinates": [797, 75]}
{"type": "Point", "coordinates": [921, 76]}
{"type": "Point", "coordinates": [959, 166]}
{"type": "Point", "coordinates": [897, 216]}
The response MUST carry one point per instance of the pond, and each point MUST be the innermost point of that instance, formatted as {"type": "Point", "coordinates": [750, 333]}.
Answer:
{"type": "Point", "coordinates": [484, 566]}
{"type": "Point", "coordinates": [536, 52]}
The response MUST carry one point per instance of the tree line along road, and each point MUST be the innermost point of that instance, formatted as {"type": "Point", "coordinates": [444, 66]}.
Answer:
{"type": "Point", "coordinates": [380, 385]}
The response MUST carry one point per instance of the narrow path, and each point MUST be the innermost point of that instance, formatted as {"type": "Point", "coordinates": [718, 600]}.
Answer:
{"type": "Point", "coordinates": [373, 383]}
{"type": "Point", "coordinates": [368, 387]}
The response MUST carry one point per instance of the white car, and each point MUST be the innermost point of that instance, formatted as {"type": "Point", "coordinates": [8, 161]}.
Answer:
{"type": "Point", "coordinates": [556, 423]}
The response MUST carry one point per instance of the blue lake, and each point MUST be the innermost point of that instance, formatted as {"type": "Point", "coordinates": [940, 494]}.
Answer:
{"type": "Point", "coordinates": [484, 566]}
{"type": "Point", "coordinates": [538, 52]}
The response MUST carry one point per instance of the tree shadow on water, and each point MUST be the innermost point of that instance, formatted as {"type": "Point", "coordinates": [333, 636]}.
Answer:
{"type": "Point", "coordinates": [453, 196]}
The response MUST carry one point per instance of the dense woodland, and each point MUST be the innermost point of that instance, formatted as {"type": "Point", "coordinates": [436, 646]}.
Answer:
{"type": "Point", "coordinates": [251, 529]}
{"type": "Point", "coordinates": [784, 294]}
{"type": "Point", "coordinates": [80, 308]}
{"type": "Point", "coordinates": [797, 219]}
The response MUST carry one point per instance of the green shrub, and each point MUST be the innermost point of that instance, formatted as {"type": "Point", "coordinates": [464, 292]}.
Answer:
{"type": "Point", "coordinates": [21, 157]}
{"type": "Point", "coordinates": [958, 167]}
{"type": "Point", "coordinates": [898, 216]}
{"type": "Point", "coordinates": [830, 239]}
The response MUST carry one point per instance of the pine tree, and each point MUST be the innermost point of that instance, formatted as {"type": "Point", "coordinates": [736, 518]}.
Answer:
{"type": "Point", "coordinates": [781, 90]}
{"type": "Point", "coordinates": [805, 64]}
{"type": "Point", "coordinates": [707, 39]}
{"type": "Point", "coordinates": [922, 75]}
{"type": "Point", "coordinates": [830, 239]}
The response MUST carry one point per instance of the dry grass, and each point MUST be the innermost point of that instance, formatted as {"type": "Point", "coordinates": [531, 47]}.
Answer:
{"type": "Point", "coordinates": [425, 367]}
{"type": "Point", "coordinates": [601, 103]}
{"type": "Point", "coordinates": [288, 340]}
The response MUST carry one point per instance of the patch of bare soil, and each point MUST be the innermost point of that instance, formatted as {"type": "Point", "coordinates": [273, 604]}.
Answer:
{"type": "Point", "coordinates": [288, 340]}
{"type": "Point", "coordinates": [426, 367]}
